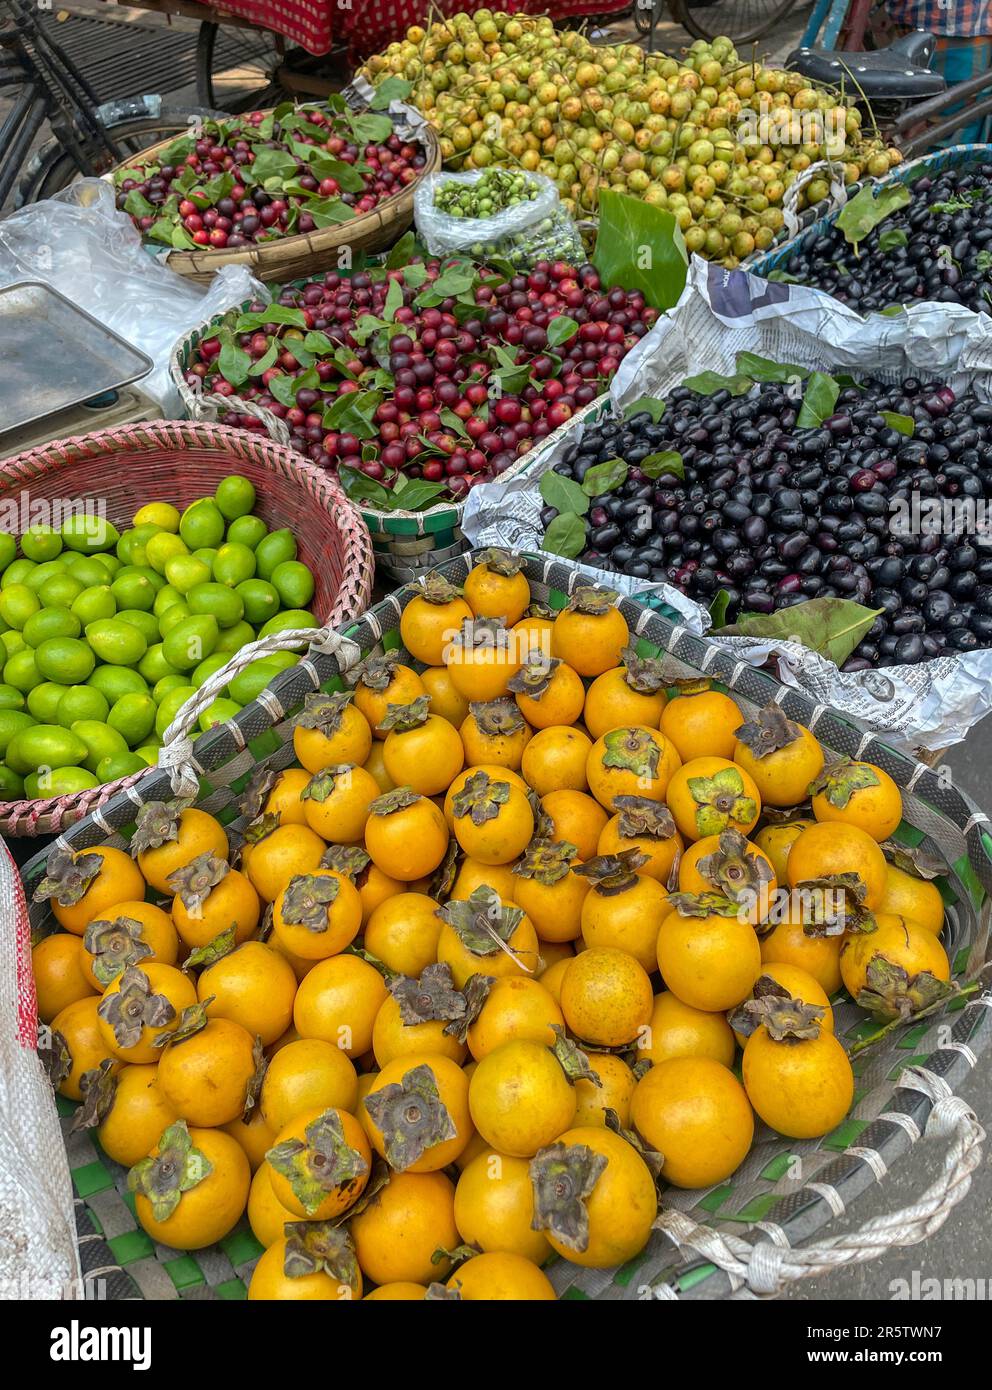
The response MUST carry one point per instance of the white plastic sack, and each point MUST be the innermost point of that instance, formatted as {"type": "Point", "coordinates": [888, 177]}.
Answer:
{"type": "Point", "coordinates": [720, 314]}
{"type": "Point", "coordinates": [80, 244]}
{"type": "Point", "coordinates": [539, 229]}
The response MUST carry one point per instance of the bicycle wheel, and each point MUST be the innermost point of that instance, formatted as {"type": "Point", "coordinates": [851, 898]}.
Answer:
{"type": "Point", "coordinates": [743, 21]}
{"type": "Point", "coordinates": [236, 67]}
{"type": "Point", "coordinates": [53, 168]}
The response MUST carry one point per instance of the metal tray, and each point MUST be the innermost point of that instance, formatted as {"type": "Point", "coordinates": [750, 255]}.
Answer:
{"type": "Point", "coordinates": [56, 355]}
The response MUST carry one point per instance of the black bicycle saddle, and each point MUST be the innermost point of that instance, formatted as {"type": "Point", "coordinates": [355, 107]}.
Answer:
{"type": "Point", "coordinates": [899, 72]}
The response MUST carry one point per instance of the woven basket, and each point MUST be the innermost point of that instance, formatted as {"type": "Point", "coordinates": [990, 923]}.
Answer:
{"type": "Point", "coordinates": [175, 461]}
{"type": "Point", "coordinates": [290, 257]}
{"type": "Point", "coordinates": [764, 1197]}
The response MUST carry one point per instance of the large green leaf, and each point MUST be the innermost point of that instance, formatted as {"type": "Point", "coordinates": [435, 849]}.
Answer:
{"type": "Point", "coordinates": [831, 626]}
{"type": "Point", "coordinates": [566, 536]}
{"type": "Point", "coordinates": [564, 494]}
{"type": "Point", "coordinates": [870, 207]}
{"type": "Point", "coordinates": [818, 402]}
{"type": "Point", "coordinates": [640, 247]}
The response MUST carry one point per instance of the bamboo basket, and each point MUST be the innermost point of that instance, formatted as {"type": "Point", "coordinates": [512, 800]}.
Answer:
{"type": "Point", "coordinates": [291, 257]}
{"type": "Point", "coordinates": [786, 1191]}
{"type": "Point", "coordinates": [177, 461]}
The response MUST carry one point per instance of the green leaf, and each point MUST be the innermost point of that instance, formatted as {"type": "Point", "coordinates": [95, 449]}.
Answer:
{"type": "Point", "coordinates": [749, 364]}
{"type": "Point", "coordinates": [283, 388]}
{"type": "Point", "coordinates": [329, 212]}
{"type": "Point", "coordinates": [983, 262]}
{"type": "Point", "coordinates": [325, 166]}
{"type": "Point", "coordinates": [782, 277]}
{"type": "Point", "coordinates": [138, 205]}
{"type": "Point", "coordinates": [831, 626]}
{"type": "Point", "coordinates": [905, 424]}
{"type": "Point", "coordinates": [234, 364]}
{"type": "Point", "coordinates": [708, 383]}
{"type": "Point", "coordinates": [647, 404]}
{"type": "Point", "coordinates": [393, 89]}
{"type": "Point", "coordinates": [818, 402]}
{"type": "Point", "coordinates": [414, 274]}
{"type": "Point", "coordinates": [370, 128]}
{"type": "Point", "coordinates": [297, 348]}
{"type": "Point", "coordinates": [452, 421]}
{"type": "Point", "coordinates": [394, 300]}
{"type": "Point", "coordinates": [353, 413]}
{"type": "Point", "coordinates": [272, 313]}
{"type": "Point", "coordinates": [865, 211]}
{"type": "Point", "coordinates": [560, 329]}
{"type": "Point", "coordinates": [718, 608]}
{"type": "Point", "coordinates": [181, 239]}
{"type": "Point", "coordinates": [267, 360]}
{"type": "Point", "coordinates": [891, 238]}
{"type": "Point", "coordinates": [317, 342]}
{"type": "Point", "coordinates": [640, 247]}
{"type": "Point", "coordinates": [604, 477]}
{"type": "Point", "coordinates": [270, 164]}
{"type": "Point", "coordinates": [404, 250]}
{"type": "Point", "coordinates": [359, 488]}
{"type": "Point", "coordinates": [565, 536]}
{"type": "Point", "coordinates": [416, 495]}
{"type": "Point", "coordinates": [564, 494]}
{"type": "Point", "coordinates": [892, 311]}
{"type": "Point", "coordinates": [668, 461]}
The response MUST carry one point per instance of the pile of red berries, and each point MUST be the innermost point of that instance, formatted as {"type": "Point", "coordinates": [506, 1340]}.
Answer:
{"type": "Point", "coordinates": [442, 372]}
{"type": "Point", "coordinates": [258, 177]}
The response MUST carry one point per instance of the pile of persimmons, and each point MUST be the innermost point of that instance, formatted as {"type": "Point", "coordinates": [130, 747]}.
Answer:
{"type": "Point", "coordinates": [529, 933]}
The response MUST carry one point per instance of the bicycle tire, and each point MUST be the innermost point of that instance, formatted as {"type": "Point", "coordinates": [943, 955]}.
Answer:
{"type": "Point", "coordinates": [685, 13]}
{"type": "Point", "coordinates": [206, 43]}
{"type": "Point", "coordinates": [53, 168]}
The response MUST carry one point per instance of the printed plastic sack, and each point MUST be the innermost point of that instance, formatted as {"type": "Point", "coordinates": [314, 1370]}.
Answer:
{"type": "Point", "coordinates": [81, 245]}
{"type": "Point", "coordinates": [537, 229]}
{"type": "Point", "coordinates": [725, 312]}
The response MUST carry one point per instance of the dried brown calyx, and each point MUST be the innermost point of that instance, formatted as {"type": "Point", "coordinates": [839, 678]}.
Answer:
{"type": "Point", "coordinates": [222, 945]}
{"type": "Point", "coordinates": [133, 1007]}
{"type": "Point", "coordinates": [537, 609]}
{"type": "Point", "coordinates": [704, 905]}
{"type": "Point", "coordinates": [306, 900]}
{"type": "Point", "coordinates": [891, 992]}
{"type": "Point", "coordinates": [98, 1088]}
{"type": "Point", "coordinates": [645, 674]}
{"type": "Point", "coordinates": [156, 824]}
{"type": "Point", "coordinates": [377, 672]}
{"type": "Point", "coordinates": [571, 1058]}
{"type": "Point", "coordinates": [547, 861]}
{"type": "Point", "coordinates": [115, 944]}
{"type": "Point", "coordinates": [476, 992]}
{"type": "Point", "coordinates": [260, 785]}
{"type": "Point", "coordinates": [435, 589]}
{"type": "Point", "coordinates": [68, 876]}
{"type": "Point", "coordinates": [321, 1162]}
{"type": "Point", "coordinates": [323, 783]}
{"type": "Point", "coordinates": [177, 1168]}
{"type": "Point", "coordinates": [195, 881]}
{"type": "Point", "coordinates": [261, 827]}
{"type": "Point", "coordinates": [563, 1177]}
{"type": "Point", "coordinates": [841, 779]}
{"type": "Point", "coordinates": [321, 1247]}
{"type": "Point", "coordinates": [477, 634]}
{"type": "Point", "coordinates": [534, 676]}
{"type": "Point", "coordinates": [325, 712]}
{"type": "Point", "coordinates": [350, 860]}
{"type": "Point", "coordinates": [443, 878]}
{"type": "Point", "coordinates": [641, 818]}
{"type": "Point", "coordinates": [502, 562]}
{"type": "Point", "coordinates": [914, 859]}
{"type": "Point", "coordinates": [254, 1087]}
{"type": "Point", "coordinates": [613, 873]}
{"type": "Point", "coordinates": [831, 905]}
{"type": "Point", "coordinates": [592, 601]}
{"type": "Point", "coordinates": [632, 749]}
{"type": "Point", "coordinates": [768, 731]}
{"type": "Point", "coordinates": [720, 798]}
{"type": "Point", "coordinates": [482, 923]}
{"type": "Point", "coordinates": [497, 718]}
{"type": "Point", "coordinates": [480, 798]}
{"type": "Point", "coordinates": [431, 998]}
{"type": "Point", "coordinates": [401, 719]}
{"type": "Point", "coordinates": [411, 1117]}
{"type": "Point", "coordinates": [192, 1019]}
{"type": "Point", "coordinates": [692, 685]}
{"type": "Point", "coordinates": [54, 1055]}
{"type": "Point", "coordinates": [734, 869]}
{"type": "Point", "coordinates": [392, 801]}
{"type": "Point", "coordinates": [653, 1160]}
{"type": "Point", "coordinates": [785, 1018]}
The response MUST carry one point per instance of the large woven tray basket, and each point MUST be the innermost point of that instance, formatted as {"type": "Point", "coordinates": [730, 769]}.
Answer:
{"type": "Point", "coordinates": [787, 1192]}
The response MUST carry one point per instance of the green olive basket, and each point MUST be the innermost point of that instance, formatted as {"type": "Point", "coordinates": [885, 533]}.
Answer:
{"type": "Point", "coordinates": [709, 1244]}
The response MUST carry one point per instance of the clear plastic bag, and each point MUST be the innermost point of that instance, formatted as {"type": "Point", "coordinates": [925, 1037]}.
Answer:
{"type": "Point", "coordinates": [536, 230]}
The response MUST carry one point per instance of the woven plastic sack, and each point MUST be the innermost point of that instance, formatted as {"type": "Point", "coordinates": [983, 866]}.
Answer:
{"type": "Point", "coordinates": [535, 230]}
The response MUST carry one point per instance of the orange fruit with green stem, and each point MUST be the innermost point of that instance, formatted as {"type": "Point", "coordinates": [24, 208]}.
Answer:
{"type": "Point", "coordinates": [806, 945]}
{"type": "Point", "coordinates": [211, 897]}
{"type": "Point", "coordinates": [896, 969]}
{"type": "Point", "coordinates": [708, 953]}
{"type": "Point", "coordinates": [274, 793]}
{"type": "Point", "coordinates": [402, 932]}
{"type": "Point", "coordinates": [830, 850]}
{"type": "Point", "coordinates": [431, 618]}
{"type": "Point", "coordinates": [701, 722]}
{"type": "Point", "coordinates": [790, 982]}
{"type": "Point", "coordinates": [273, 853]}
{"type": "Point", "coordinates": [522, 1095]}
{"type": "Point", "coordinates": [548, 692]}
{"type": "Point", "coordinates": [336, 802]}
{"type": "Point", "coordinates": [493, 820]}
{"type": "Point", "coordinates": [573, 817]}
{"type": "Point", "coordinates": [482, 658]}
{"type": "Point", "coordinates": [317, 915]}
{"type": "Point", "coordinates": [494, 1207]}
{"type": "Point", "coordinates": [126, 934]}
{"type": "Point", "coordinates": [421, 1016]}
{"type": "Point", "coordinates": [168, 835]}
{"type": "Point", "coordinates": [314, 1263]}
{"type": "Point", "coordinates": [141, 1008]}
{"type": "Point", "coordinates": [354, 863]}
{"type": "Point", "coordinates": [495, 734]}
{"type": "Point", "coordinates": [192, 1189]}
{"type": "Point", "coordinates": [77, 1048]}
{"type": "Point", "coordinates": [555, 759]}
{"type": "Point", "coordinates": [695, 1113]}
{"type": "Point", "coordinates": [384, 681]}
{"type": "Point", "coordinates": [781, 757]}
{"type": "Point", "coordinates": [858, 794]}
{"type": "Point", "coordinates": [81, 884]}
{"type": "Point", "coordinates": [623, 909]}
{"type": "Point", "coordinates": [319, 1164]}
{"type": "Point", "coordinates": [405, 834]}
{"type": "Point", "coordinates": [208, 1070]}
{"type": "Point", "coordinates": [729, 864]}
{"type": "Point", "coordinates": [514, 1007]}
{"type": "Point", "coordinates": [494, 771]}
{"type": "Point", "coordinates": [422, 750]}
{"type": "Point", "coordinates": [399, 1230]}
{"type": "Point", "coordinates": [677, 1029]}
{"type": "Point", "coordinates": [305, 1075]}
{"type": "Point", "coordinates": [253, 985]}
{"type": "Point", "coordinates": [330, 730]}
{"type": "Point", "coordinates": [631, 694]}
{"type": "Point", "coordinates": [485, 935]}
{"type": "Point", "coordinates": [61, 974]}
{"type": "Point", "coordinates": [631, 761]}
{"type": "Point", "coordinates": [796, 1073]}
{"type": "Point", "coordinates": [590, 634]}
{"type": "Point", "coordinates": [606, 997]}
{"type": "Point", "coordinates": [709, 795]}
{"type": "Point", "coordinates": [548, 885]}
{"type": "Point", "coordinates": [495, 586]}
{"type": "Point", "coordinates": [646, 826]}
{"type": "Point", "coordinates": [416, 1112]}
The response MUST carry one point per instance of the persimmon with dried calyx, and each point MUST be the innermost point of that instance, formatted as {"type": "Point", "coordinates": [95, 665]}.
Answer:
{"type": "Point", "coordinates": [708, 795]}
{"type": "Point", "coordinates": [273, 853]}
{"type": "Point", "coordinates": [647, 826]}
{"type": "Point", "coordinates": [535, 628]}
{"type": "Point", "coordinates": [470, 875]}
{"type": "Point", "coordinates": [494, 1206]}
{"type": "Point", "coordinates": [677, 1029]}
{"type": "Point", "coordinates": [701, 722]}
{"type": "Point", "coordinates": [384, 681]}
{"type": "Point", "coordinates": [126, 934]}
{"type": "Point", "coordinates": [405, 834]}
{"type": "Point", "coordinates": [210, 1070]}
{"type": "Point", "coordinates": [500, 1277]}
{"type": "Point", "coordinates": [573, 817]}
{"type": "Point", "coordinates": [631, 761]}
{"type": "Point", "coordinates": [548, 692]}
{"type": "Point", "coordinates": [594, 1197]}
{"type": "Point", "coordinates": [422, 1016]}
{"type": "Point", "coordinates": [631, 694]}
{"type": "Point", "coordinates": [611, 1089]}
{"type": "Point", "coordinates": [708, 953]}
{"type": "Point", "coordinates": [522, 1095]}
{"type": "Point", "coordinates": [211, 897]}
{"type": "Point", "coordinates": [422, 750]}
{"type": "Point", "coordinates": [730, 865]}
{"type": "Point", "coordinates": [416, 1113]}
{"type": "Point", "coordinates": [316, 915]}
{"type": "Point", "coordinates": [402, 932]}
{"type": "Point", "coordinates": [782, 758]}
{"type": "Point", "coordinates": [274, 793]}
{"type": "Point", "coordinates": [481, 658]}
{"type": "Point", "coordinates": [355, 863]}
{"type": "Point", "coordinates": [830, 850]}
{"type": "Point", "coordinates": [776, 840]}
{"type": "Point", "coordinates": [606, 997]}
{"type": "Point", "coordinates": [314, 1263]}
{"type": "Point", "coordinates": [796, 1074]}
{"type": "Point", "coordinates": [548, 885]}
{"type": "Point", "coordinates": [495, 586]}
{"type": "Point", "coordinates": [895, 970]}
{"type": "Point", "coordinates": [376, 768]}
{"type": "Point", "coordinates": [623, 909]}
{"type": "Point", "coordinates": [493, 820]}
{"type": "Point", "coordinates": [695, 1113]}
{"type": "Point", "coordinates": [336, 801]}
{"type": "Point", "coordinates": [307, 1074]}
{"type": "Point", "coordinates": [168, 834]}
{"type": "Point", "coordinates": [192, 1188]}
{"type": "Point", "coordinates": [129, 1111]}
{"type": "Point", "coordinates": [485, 935]}
{"type": "Point", "coordinates": [253, 1134]}
{"type": "Point", "coordinates": [81, 884]}
{"type": "Point", "coordinates": [859, 794]}
{"type": "Point", "coordinates": [591, 632]}
{"type": "Point", "coordinates": [495, 733]}
{"type": "Point", "coordinates": [512, 1008]}
{"type": "Point", "coordinates": [330, 730]}
{"type": "Point", "coordinates": [76, 1048]}
{"type": "Point", "coordinates": [436, 611]}
{"type": "Point", "coordinates": [494, 771]}
{"type": "Point", "coordinates": [779, 977]}
{"type": "Point", "coordinates": [319, 1164]}
{"type": "Point", "coordinates": [141, 1007]}
{"type": "Point", "coordinates": [61, 973]}
{"type": "Point", "coordinates": [806, 944]}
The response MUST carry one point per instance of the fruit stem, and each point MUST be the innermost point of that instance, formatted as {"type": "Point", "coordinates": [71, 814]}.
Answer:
{"type": "Point", "coordinates": [962, 992]}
